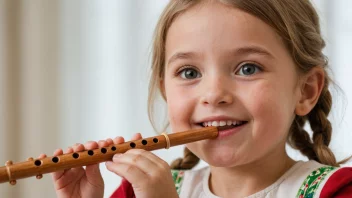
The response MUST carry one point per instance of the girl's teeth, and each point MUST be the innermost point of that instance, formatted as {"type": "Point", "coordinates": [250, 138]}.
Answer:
{"type": "Point", "coordinates": [215, 123]}
{"type": "Point", "coordinates": [222, 123]}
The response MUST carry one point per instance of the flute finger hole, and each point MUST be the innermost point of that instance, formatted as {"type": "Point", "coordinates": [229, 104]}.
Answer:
{"type": "Point", "coordinates": [38, 162]}
{"type": "Point", "coordinates": [103, 150]}
{"type": "Point", "coordinates": [132, 144]}
{"type": "Point", "coordinates": [155, 140]}
{"type": "Point", "coordinates": [113, 148]}
{"type": "Point", "coordinates": [90, 152]}
{"type": "Point", "coordinates": [75, 155]}
{"type": "Point", "coordinates": [144, 142]}
{"type": "Point", "coordinates": [55, 159]}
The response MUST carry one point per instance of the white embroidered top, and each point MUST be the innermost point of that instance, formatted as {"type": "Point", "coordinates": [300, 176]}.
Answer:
{"type": "Point", "coordinates": [195, 183]}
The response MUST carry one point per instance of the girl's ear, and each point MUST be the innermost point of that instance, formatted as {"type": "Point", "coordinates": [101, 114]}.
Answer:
{"type": "Point", "coordinates": [311, 87]}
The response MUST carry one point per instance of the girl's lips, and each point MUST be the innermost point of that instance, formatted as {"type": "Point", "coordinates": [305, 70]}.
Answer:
{"type": "Point", "coordinates": [228, 131]}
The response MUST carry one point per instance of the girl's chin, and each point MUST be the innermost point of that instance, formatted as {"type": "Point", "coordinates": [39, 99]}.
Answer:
{"type": "Point", "coordinates": [223, 155]}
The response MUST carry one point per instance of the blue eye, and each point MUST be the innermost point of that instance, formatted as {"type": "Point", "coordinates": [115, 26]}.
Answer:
{"type": "Point", "coordinates": [189, 73]}
{"type": "Point", "coordinates": [248, 69]}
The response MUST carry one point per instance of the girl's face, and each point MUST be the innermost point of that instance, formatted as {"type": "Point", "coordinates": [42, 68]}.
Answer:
{"type": "Point", "coordinates": [223, 64]}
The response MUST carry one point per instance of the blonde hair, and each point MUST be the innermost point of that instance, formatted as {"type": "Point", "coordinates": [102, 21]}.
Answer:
{"type": "Point", "coordinates": [297, 22]}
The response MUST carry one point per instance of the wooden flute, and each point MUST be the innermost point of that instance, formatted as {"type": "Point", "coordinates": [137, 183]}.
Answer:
{"type": "Point", "coordinates": [37, 167]}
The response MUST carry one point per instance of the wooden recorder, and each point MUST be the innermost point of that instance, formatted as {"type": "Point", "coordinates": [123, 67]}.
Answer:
{"type": "Point", "coordinates": [37, 167]}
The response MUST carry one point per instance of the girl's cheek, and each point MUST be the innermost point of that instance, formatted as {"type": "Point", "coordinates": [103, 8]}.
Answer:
{"type": "Point", "coordinates": [269, 111]}
{"type": "Point", "coordinates": [180, 107]}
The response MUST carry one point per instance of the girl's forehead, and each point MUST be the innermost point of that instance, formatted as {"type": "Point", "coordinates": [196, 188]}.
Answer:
{"type": "Point", "coordinates": [218, 27]}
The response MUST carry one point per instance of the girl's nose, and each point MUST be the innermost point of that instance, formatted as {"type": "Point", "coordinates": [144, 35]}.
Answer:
{"type": "Point", "coordinates": [216, 92]}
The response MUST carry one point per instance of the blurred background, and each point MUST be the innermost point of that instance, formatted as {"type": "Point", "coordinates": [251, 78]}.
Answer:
{"type": "Point", "coordinates": [73, 71]}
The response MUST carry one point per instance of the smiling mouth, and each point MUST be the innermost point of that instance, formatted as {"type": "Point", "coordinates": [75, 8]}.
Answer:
{"type": "Point", "coordinates": [223, 125]}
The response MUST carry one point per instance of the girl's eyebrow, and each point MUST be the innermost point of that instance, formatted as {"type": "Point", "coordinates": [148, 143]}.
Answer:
{"type": "Point", "coordinates": [181, 55]}
{"type": "Point", "coordinates": [242, 51]}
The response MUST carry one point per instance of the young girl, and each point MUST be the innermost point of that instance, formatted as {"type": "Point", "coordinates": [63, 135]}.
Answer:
{"type": "Point", "coordinates": [256, 66]}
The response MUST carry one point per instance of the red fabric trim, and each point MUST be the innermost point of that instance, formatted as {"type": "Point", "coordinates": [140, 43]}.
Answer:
{"type": "Point", "coordinates": [125, 190]}
{"type": "Point", "coordinates": [339, 185]}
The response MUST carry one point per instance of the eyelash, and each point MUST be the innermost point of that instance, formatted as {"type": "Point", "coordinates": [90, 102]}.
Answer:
{"type": "Point", "coordinates": [181, 69]}
{"type": "Point", "coordinates": [260, 68]}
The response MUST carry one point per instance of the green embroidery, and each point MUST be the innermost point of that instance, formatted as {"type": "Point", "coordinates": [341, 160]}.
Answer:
{"type": "Point", "coordinates": [311, 183]}
{"type": "Point", "coordinates": [177, 175]}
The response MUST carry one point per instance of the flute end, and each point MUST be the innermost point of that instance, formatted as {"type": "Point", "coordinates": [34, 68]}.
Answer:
{"type": "Point", "coordinates": [13, 182]}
